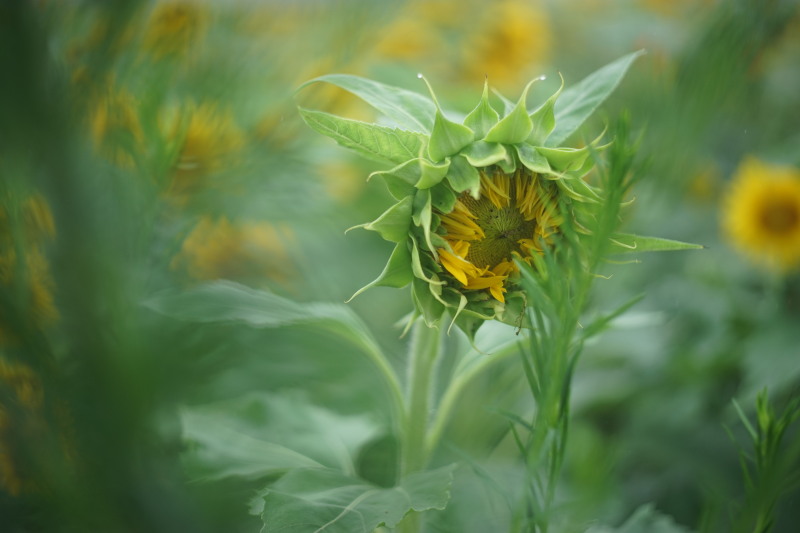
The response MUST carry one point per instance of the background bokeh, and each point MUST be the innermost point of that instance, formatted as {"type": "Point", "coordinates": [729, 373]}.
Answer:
{"type": "Point", "coordinates": [151, 146]}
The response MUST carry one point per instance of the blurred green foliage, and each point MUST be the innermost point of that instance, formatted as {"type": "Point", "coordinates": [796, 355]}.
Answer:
{"type": "Point", "coordinates": [147, 148]}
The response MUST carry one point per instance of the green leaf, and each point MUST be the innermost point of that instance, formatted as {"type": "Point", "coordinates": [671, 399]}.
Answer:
{"type": "Point", "coordinates": [516, 126]}
{"type": "Point", "coordinates": [443, 198]}
{"type": "Point", "coordinates": [418, 173]}
{"type": "Point", "coordinates": [508, 105]}
{"type": "Point", "coordinates": [422, 216]}
{"type": "Point", "coordinates": [578, 102]}
{"type": "Point", "coordinates": [627, 242]}
{"type": "Point", "coordinates": [483, 117]}
{"type": "Point", "coordinates": [447, 138]}
{"type": "Point", "coordinates": [328, 501]}
{"type": "Point", "coordinates": [259, 435]}
{"type": "Point", "coordinates": [431, 174]}
{"type": "Point", "coordinates": [564, 159]}
{"type": "Point", "coordinates": [483, 154]}
{"type": "Point", "coordinates": [226, 301]}
{"type": "Point", "coordinates": [544, 120]}
{"type": "Point", "coordinates": [397, 273]}
{"type": "Point", "coordinates": [603, 322]}
{"type": "Point", "coordinates": [416, 263]}
{"type": "Point", "coordinates": [532, 158]}
{"type": "Point", "coordinates": [431, 308]}
{"type": "Point", "coordinates": [379, 143]}
{"type": "Point", "coordinates": [577, 189]}
{"type": "Point", "coordinates": [393, 224]}
{"type": "Point", "coordinates": [408, 109]}
{"type": "Point", "coordinates": [463, 176]}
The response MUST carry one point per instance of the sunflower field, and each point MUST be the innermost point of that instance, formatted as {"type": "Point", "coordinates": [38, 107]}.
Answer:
{"type": "Point", "coordinates": [353, 266]}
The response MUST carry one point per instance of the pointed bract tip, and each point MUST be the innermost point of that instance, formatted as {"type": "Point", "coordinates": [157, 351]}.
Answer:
{"type": "Point", "coordinates": [430, 90]}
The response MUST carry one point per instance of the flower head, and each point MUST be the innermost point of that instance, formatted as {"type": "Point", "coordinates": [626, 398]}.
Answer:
{"type": "Point", "coordinates": [476, 198]}
{"type": "Point", "coordinates": [762, 213]}
{"type": "Point", "coordinates": [513, 217]}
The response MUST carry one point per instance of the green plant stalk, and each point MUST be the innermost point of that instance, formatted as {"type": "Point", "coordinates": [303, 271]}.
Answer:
{"type": "Point", "coordinates": [424, 352]}
{"type": "Point", "coordinates": [425, 345]}
{"type": "Point", "coordinates": [454, 390]}
{"type": "Point", "coordinates": [557, 344]}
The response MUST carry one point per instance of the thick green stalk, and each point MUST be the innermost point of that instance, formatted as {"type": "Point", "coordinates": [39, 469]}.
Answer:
{"type": "Point", "coordinates": [424, 352]}
{"type": "Point", "coordinates": [414, 455]}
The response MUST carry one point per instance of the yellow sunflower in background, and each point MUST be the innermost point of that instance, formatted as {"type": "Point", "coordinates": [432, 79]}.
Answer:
{"type": "Point", "coordinates": [761, 213]}
{"type": "Point", "coordinates": [514, 41]}
{"type": "Point", "coordinates": [174, 28]}
{"type": "Point", "coordinates": [244, 251]}
{"type": "Point", "coordinates": [116, 129]}
{"type": "Point", "coordinates": [23, 260]}
{"type": "Point", "coordinates": [20, 393]}
{"type": "Point", "coordinates": [209, 140]}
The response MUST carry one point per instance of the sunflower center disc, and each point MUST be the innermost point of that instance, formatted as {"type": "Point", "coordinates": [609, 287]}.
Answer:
{"type": "Point", "coordinates": [503, 228]}
{"type": "Point", "coordinates": [780, 217]}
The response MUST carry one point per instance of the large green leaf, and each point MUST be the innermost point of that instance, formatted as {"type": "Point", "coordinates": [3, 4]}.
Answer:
{"type": "Point", "coordinates": [627, 242]}
{"type": "Point", "coordinates": [226, 301]}
{"type": "Point", "coordinates": [260, 434]}
{"type": "Point", "coordinates": [408, 109]}
{"type": "Point", "coordinates": [326, 500]}
{"type": "Point", "coordinates": [578, 102]}
{"type": "Point", "coordinates": [379, 143]}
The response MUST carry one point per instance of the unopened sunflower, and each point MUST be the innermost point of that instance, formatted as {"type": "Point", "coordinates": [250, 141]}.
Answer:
{"type": "Point", "coordinates": [476, 198]}
{"type": "Point", "coordinates": [762, 213]}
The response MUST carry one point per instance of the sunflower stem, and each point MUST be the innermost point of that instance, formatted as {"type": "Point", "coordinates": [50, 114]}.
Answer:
{"type": "Point", "coordinates": [424, 352]}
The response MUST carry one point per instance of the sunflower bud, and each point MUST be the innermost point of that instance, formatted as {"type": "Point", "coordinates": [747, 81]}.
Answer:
{"type": "Point", "coordinates": [475, 198]}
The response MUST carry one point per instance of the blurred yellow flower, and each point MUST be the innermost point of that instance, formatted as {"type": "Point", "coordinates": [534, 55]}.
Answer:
{"type": "Point", "coordinates": [249, 251]}
{"type": "Point", "coordinates": [173, 28]}
{"type": "Point", "coordinates": [513, 39]}
{"type": "Point", "coordinates": [207, 143]}
{"type": "Point", "coordinates": [20, 392]}
{"type": "Point", "coordinates": [32, 269]}
{"type": "Point", "coordinates": [115, 128]}
{"type": "Point", "coordinates": [411, 36]}
{"type": "Point", "coordinates": [705, 183]}
{"type": "Point", "coordinates": [761, 213]}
